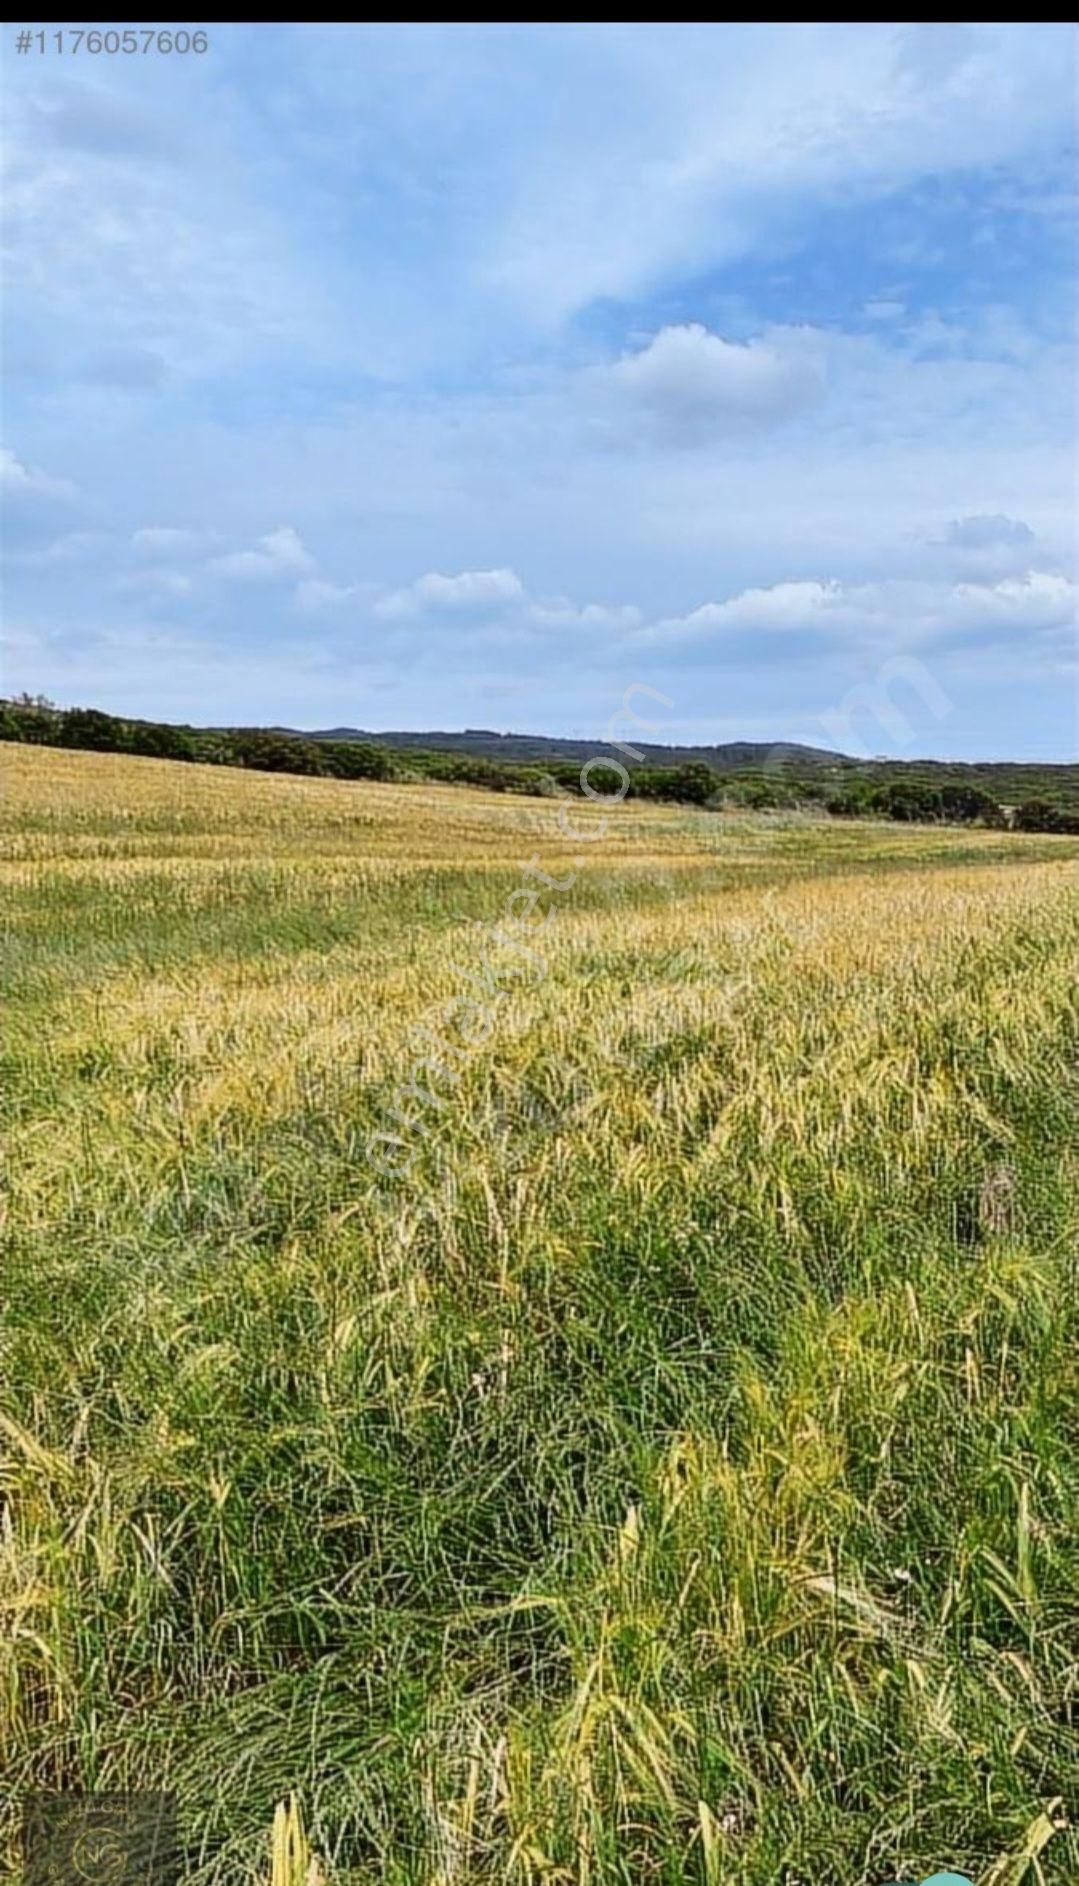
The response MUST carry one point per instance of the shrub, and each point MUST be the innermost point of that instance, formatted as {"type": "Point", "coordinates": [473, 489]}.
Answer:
{"type": "Point", "coordinates": [274, 752]}
{"type": "Point", "coordinates": [853, 801]}
{"type": "Point", "coordinates": [913, 801]}
{"type": "Point", "coordinates": [358, 759]}
{"type": "Point", "coordinates": [157, 740]}
{"type": "Point", "coordinates": [1043, 815]}
{"type": "Point", "coordinates": [88, 727]}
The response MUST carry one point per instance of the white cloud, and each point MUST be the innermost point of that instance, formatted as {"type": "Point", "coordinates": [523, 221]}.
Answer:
{"type": "Point", "coordinates": [887, 615]}
{"type": "Point", "coordinates": [606, 618]}
{"type": "Point", "coordinates": [1037, 603]}
{"type": "Point", "coordinates": [280, 553]}
{"type": "Point", "coordinates": [469, 590]}
{"type": "Point", "coordinates": [689, 385]}
{"type": "Point", "coordinates": [781, 607]}
{"type": "Point", "coordinates": [313, 594]}
{"type": "Point", "coordinates": [22, 481]}
{"type": "Point", "coordinates": [493, 607]}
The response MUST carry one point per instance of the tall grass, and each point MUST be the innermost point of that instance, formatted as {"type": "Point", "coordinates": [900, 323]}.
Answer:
{"type": "Point", "coordinates": [674, 1476]}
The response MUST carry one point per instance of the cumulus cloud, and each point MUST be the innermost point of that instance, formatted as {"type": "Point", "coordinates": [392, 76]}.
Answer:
{"type": "Point", "coordinates": [280, 553]}
{"type": "Point", "coordinates": [610, 618]}
{"type": "Point", "coordinates": [470, 590]}
{"type": "Point", "coordinates": [810, 616]}
{"type": "Point", "coordinates": [688, 385]}
{"type": "Point", "coordinates": [779, 607]}
{"type": "Point", "coordinates": [494, 607]}
{"type": "Point", "coordinates": [22, 481]}
{"type": "Point", "coordinates": [885, 615]}
{"type": "Point", "coordinates": [1039, 606]}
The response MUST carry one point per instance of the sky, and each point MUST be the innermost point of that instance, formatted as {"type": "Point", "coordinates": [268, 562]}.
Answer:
{"type": "Point", "coordinates": [470, 376]}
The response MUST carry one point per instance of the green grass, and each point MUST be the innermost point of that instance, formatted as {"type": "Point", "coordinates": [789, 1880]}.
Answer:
{"type": "Point", "coordinates": [674, 1477]}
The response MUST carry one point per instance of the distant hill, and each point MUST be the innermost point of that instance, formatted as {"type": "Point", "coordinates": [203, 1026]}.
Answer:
{"type": "Point", "coordinates": [1010, 780]}
{"type": "Point", "coordinates": [759, 775]}
{"type": "Point", "coordinates": [735, 756]}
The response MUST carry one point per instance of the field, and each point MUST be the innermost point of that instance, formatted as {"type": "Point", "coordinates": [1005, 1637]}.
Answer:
{"type": "Point", "coordinates": [661, 1462]}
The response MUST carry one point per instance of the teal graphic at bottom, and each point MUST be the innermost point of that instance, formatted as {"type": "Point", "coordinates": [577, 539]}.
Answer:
{"type": "Point", "coordinates": [937, 1879]}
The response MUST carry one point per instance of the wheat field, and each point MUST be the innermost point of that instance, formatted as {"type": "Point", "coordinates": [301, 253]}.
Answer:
{"type": "Point", "coordinates": [661, 1464]}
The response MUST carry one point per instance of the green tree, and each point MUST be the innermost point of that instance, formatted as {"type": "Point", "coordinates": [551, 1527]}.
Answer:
{"type": "Point", "coordinates": [1043, 815]}
{"type": "Point", "coordinates": [89, 727]}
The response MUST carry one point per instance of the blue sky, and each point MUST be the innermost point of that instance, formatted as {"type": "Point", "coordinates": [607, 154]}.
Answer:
{"type": "Point", "coordinates": [469, 376]}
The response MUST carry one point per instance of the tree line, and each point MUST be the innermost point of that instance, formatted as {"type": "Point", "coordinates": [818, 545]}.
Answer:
{"type": "Point", "coordinates": [37, 721]}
